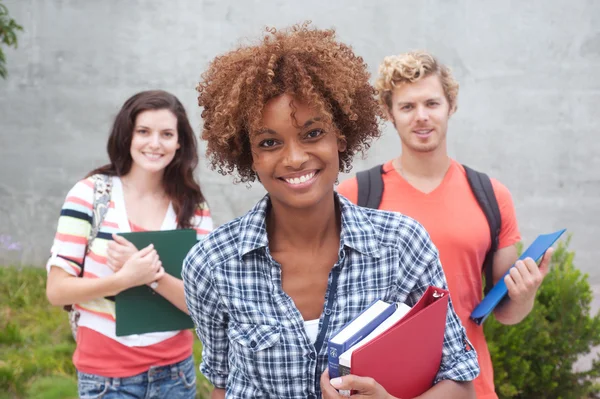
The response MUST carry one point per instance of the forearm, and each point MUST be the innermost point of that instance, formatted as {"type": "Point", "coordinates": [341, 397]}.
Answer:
{"type": "Point", "coordinates": [65, 289]}
{"type": "Point", "coordinates": [217, 393]}
{"type": "Point", "coordinates": [171, 288]}
{"type": "Point", "coordinates": [511, 312]}
{"type": "Point", "coordinates": [448, 389]}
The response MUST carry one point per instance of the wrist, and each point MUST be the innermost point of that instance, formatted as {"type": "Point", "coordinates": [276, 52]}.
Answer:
{"type": "Point", "coordinates": [117, 283]}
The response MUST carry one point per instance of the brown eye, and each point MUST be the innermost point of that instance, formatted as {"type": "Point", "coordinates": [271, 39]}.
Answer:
{"type": "Point", "coordinates": [313, 134]}
{"type": "Point", "coordinates": [267, 143]}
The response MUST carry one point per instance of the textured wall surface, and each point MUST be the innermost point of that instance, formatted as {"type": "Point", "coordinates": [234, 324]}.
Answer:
{"type": "Point", "coordinates": [527, 113]}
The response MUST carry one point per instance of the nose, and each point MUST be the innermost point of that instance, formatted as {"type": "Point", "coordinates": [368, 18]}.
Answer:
{"type": "Point", "coordinates": [295, 155]}
{"type": "Point", "coordinates": [155, 139]}
{"type": "Point", "coordinates": [422, 114]}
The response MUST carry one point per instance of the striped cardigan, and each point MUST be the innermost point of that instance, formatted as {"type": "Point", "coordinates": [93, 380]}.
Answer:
{"type": "Point", "coordinates": [68, 252]}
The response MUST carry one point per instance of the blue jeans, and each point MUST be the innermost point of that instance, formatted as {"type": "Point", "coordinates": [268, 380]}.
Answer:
{"type": "Point", "coordinates": [175, 381]}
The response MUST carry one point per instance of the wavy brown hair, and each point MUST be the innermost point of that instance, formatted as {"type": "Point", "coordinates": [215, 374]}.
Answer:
{"type": "Point", "coordinates": [307, 63]}
{"type": "Point", "coordinates": [178, 178]}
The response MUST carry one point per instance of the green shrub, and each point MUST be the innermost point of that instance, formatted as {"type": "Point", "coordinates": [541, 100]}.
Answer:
{"type": "Point", "coordinates": [36, 345]}
{"type": "Point", "coordinates": [535, 358]}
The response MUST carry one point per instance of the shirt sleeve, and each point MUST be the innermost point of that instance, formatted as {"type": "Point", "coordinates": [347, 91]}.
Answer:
{"type": "Point", "coordinates": [459, 359]}
{"type": "Point", "coordinates": [509, 230]}
{"type": "Point", "coordinates": [74, 226]}
{"type": "Point", "coordinates": [209, 315]}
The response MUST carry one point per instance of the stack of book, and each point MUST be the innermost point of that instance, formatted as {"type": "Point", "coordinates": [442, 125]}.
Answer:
{"type": "Point", "coordinates": [398, 346]}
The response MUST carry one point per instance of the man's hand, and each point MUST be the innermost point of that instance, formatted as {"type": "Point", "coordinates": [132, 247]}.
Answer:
{"type": "Point", "coordinates": [119, 251]}
{"type": "Point", "coordinates": [524, 279]}
{"type": "Point", "coordinates": [365, 387]}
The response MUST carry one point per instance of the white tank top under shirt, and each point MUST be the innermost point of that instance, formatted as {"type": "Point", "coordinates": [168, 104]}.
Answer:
{"type": "Point", "coordinates": [312, 329]}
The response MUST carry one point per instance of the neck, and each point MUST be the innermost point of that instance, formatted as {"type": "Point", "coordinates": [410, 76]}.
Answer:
{"type": "Point", "coordinates": [303, 228]}
{"type": "Point", "coordinates": [424, 165]}
{"type": "Point", "coordinates": [143, 182]}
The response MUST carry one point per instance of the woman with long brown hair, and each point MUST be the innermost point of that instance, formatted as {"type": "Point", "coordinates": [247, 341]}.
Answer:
{"type": "Point", "coordinates": [148, 185]}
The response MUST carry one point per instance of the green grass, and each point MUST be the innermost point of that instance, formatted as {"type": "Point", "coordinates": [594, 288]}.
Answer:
{"type": "Point", "coordinates": [36, 344]}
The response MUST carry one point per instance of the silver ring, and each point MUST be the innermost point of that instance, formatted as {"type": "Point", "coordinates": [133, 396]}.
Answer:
{"type": "Point", "coordinates": [154, 285]}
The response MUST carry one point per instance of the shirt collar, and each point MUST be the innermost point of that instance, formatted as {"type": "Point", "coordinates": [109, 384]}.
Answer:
{"type": "Point", "coordinates": [357, 233]}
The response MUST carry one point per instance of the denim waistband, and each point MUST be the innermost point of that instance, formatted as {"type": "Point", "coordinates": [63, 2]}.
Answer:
{"type": "Point", "coordinates": [154, 373]}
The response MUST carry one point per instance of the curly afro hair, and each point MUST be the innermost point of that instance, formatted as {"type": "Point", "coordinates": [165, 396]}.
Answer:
{"type": "Point", "coordinates": [308, 64]}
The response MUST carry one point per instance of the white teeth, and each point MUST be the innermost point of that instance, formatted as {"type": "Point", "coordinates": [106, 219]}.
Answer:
{"type": "Point", "coordinates": [301, 179]}
{"type": "Point", "coordinates": [152, 156]}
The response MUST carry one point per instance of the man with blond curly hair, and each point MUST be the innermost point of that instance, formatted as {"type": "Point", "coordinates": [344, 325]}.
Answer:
{"type": "Point", "coordinates": [418, 95]}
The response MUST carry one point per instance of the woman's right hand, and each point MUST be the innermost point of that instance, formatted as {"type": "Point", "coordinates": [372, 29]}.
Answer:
{"type": "Point", "coordinates": [118, 252]}
{"type": "Point", "coordinates": [143, 267]}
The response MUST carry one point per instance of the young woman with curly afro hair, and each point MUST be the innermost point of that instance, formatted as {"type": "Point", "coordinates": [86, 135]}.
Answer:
{"type": "Point", "coordinates": [267, 290]}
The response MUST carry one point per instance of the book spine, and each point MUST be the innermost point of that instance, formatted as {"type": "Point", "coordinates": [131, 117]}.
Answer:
{"type": "Point", "coordinates": [333, 354]}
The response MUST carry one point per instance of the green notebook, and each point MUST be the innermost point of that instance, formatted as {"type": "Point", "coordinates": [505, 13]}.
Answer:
{"type": "Point", "coordinates": [141, 310]}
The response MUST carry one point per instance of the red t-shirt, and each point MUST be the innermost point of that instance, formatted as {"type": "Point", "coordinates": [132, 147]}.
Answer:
{"type": "Point", "coordinates": [460, 231]}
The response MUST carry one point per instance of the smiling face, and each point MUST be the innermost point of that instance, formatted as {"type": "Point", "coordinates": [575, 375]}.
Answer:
{"type": "Point", "coordinates": [420, 113]}
{"type": "Point", "coordinates": [155, 140]}
{"type": "Point", "coordinates": [295, 154]}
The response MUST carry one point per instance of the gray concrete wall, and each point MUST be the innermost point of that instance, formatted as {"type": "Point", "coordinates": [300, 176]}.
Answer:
{"type": "Point", "coordinates": [529, 74]}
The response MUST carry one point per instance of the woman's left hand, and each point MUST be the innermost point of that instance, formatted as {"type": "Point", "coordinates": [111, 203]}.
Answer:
{"type": "Point", "coordinates": [365, 387]}
{"type": "Point", "coordinates": [119, 251]}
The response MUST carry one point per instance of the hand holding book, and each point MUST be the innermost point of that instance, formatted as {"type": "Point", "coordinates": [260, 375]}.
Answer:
{"type": "Point", "coordinates": [403, 357]}
{"type": "Point", "coordinates": [364, 386]}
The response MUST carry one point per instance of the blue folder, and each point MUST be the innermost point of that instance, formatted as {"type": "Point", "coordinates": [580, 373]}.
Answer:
{"type": "Point", "coordinates": [535, 251]}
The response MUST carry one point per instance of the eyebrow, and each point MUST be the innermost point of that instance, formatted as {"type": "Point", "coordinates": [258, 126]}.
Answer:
{"type": "Point", "coordinates": [311, 121]}
{"type": "Point", "coordinates": [412, 102]}
{"type": "Point", "coordinates": [265, 131]}
{"type": "Point", "coordinates": [273, 132]}
{"type": "Point", "coordinates": [146, 127]}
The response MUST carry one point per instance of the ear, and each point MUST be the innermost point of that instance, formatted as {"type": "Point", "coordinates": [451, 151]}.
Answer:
{"type": "Point", "coordinates": [452, 110]}
{"type": "Point", "coordinates": [341, 143]}
{"type": "Point", "coordinates": [387, 114]}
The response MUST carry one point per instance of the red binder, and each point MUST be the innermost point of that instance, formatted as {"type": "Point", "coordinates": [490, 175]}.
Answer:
{"type": "Point", "coordinates": [406, 358]}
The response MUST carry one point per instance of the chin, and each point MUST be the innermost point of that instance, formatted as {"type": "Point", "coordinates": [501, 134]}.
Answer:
{"type": "Point", "coordinates": [303, 201]}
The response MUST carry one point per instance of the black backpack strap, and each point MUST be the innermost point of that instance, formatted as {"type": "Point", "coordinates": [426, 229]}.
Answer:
{"type": "Point", "coordinates": [370, 187]}
{"type": "Point", "coordinates": [484, 193]}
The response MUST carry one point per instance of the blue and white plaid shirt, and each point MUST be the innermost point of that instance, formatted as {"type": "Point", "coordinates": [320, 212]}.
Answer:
{"type": "Point", "coordinates": [254, 339]}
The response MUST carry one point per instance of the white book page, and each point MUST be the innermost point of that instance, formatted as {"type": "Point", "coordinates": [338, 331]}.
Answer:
{"type": "Point", "coordinates": [365, 318]}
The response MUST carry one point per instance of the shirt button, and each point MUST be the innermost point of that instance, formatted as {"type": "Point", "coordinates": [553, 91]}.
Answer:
{"type": "Point", "coordinates": [253, 344]}
{"type": "Point", "coordinates": [312, 355]}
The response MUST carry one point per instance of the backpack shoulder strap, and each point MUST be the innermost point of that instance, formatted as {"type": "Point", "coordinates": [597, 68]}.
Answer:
{"type": "Point", "coordinates": [484, 193]}
{"type": "Point", "coordinates": [102, 190]}
{"type": "Point", "coordinates": [370, 187]}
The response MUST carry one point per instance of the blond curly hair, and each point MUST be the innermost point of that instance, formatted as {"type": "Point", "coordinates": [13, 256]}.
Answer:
{"type": "Point", "coordinates": [409, 68]}
{"type": "Point", "coordinates": [307, 63]}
